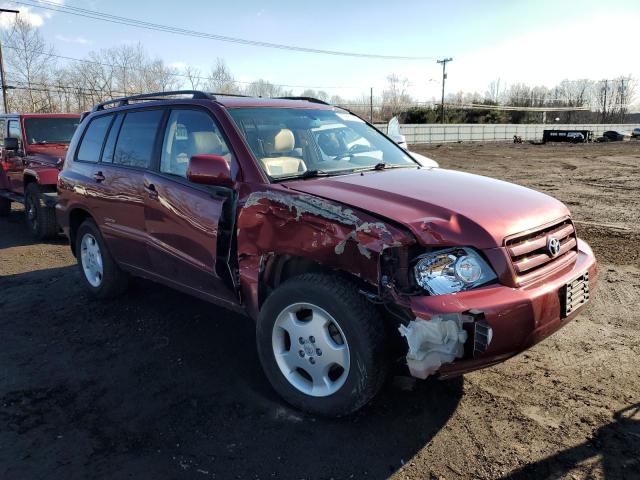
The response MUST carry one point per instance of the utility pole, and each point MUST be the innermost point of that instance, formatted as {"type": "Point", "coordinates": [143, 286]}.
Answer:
{"type": "Point", "coordinates": [371, 106]}
{"type": "Point", "coordinates": [604, 106]}
{"type": "Point", "coordinates": [622, 100]}
{"type": "Point", "coordinates": [2, 81]}
{"type": "Point", "coordinates": [444, 62]}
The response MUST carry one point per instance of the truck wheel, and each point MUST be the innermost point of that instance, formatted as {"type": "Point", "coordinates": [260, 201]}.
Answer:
{"type": "Point", "coordinates": [5, 207]}
{"type": "Point", "coordinates": [322, 345]}
{"type": "Point", "coordinates": [102, 275]}
{"type": "Point", "coordinates": [41, 219]}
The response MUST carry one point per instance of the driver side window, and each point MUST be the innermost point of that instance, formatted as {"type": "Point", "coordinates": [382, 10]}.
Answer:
{"type": "Point", "coordinates": [190, 132]}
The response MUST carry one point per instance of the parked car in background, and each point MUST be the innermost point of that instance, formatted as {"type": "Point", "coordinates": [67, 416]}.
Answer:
{"type": "Point", "coordinates": [393, 132]}
{"type": "Point", "coordinates": [571, 136]}
{"type": "Point", "coordinates": [616, 136]}
{"type": "Point", "coordinates": [347, 262]}
{"type": "Point", "coordinates": [635, 133]}
{"type": "Point", "coordinates": [32, 150]}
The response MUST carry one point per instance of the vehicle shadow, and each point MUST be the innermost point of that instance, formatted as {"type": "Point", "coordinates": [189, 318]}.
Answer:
{"type": "Point", "coordinates": [617, 443]}
{"type": "Point", "coordinates": [158, 384]}
{"type": "Point", "coordinates": [14, 233]}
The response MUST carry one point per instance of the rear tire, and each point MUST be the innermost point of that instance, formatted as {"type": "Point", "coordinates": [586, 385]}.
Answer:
{"type": "Point", "coordinates": [5, 207]}
{"type": "Point", "coordinates": [101, 275]}
{"type": "Point", "coordinates": [41, 220]}
{"type": "Point", "coordinates": [331, 371]}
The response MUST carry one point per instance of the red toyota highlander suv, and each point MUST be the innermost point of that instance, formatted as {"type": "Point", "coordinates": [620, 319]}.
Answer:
{"type": "Point", "coordinates": [346, 252]}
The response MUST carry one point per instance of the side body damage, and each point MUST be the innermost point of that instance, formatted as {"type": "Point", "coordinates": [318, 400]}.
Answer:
{"type": "Point", "coordinates": [278, 225]}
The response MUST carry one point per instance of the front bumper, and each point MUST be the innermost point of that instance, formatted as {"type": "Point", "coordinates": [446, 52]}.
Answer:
{"type": "Point", "coordinates": [519, 317]}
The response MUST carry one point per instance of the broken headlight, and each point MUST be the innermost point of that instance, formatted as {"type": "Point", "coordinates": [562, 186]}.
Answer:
{"type": "Point", "coordinates": [452, 270]}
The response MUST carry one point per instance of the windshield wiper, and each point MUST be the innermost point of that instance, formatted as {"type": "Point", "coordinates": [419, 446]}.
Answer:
{"type": "Point", "coordinates": [304, 175]}
{"type": "Point", "coordinates": [383, 166]}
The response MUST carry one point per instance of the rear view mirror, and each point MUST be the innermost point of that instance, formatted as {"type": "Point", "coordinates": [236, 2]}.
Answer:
{"type": "Point", "coordinates": [209, 170]}
{"type": "Point", "coordinates": [11, 143]}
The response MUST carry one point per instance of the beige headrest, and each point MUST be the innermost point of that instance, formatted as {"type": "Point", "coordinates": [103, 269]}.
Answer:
{"type": "Point", "coordinates": [284, 141]}
{"type": "Point", "coordinates": [205, 142]}
{"type": "Point", "coordinates": [281, 166]}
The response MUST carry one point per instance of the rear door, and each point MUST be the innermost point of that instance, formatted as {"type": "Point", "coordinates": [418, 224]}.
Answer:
{"type": "Point", "coordinates": [185, 222]}
{"type": "Point", "coordinates": [128, 153]}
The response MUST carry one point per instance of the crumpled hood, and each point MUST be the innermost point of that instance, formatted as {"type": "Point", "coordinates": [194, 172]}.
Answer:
{"type": "Point", "coordinates": [441, 207]}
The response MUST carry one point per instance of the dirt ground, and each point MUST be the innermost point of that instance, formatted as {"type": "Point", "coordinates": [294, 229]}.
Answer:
{"type": "Point", "coordinates": [161, 385]}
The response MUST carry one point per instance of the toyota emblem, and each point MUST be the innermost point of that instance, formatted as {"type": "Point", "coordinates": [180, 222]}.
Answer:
{"type": "Point", "coordinates": [553, 246]}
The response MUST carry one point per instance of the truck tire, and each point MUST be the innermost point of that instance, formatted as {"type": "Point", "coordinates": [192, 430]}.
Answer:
{"type": "Point", "coordinates": [322, 345]}
{"type": "Point", "coordinates": [101, 275]}
{"type": "Point", "coordinates": [5, 207]}
{"type": "Point", "coordinates": [41, 220]}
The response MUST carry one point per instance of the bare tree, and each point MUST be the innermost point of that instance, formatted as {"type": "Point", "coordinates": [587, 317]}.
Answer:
{"type": "Point", "coordinates": [396, 96]}
{"type": "Point", "coordinates": [194, 78]}
{"type": "Point", "coordinates": [29, 63]}
{"type": "Point", "coordinates": [221, 80]}
{"type": "Point", "coordinates": [494, 92]}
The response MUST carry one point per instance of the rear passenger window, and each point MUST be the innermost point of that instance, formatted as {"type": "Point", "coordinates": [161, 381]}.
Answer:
{"type": "Point", "coordinates": [136, 140]}
{"type": "Point", "coordinates": [93, 139]}
{"type": "Point", "coordinates": [109, 146]}
{"type": "Point", "coordinates": [190, 132]}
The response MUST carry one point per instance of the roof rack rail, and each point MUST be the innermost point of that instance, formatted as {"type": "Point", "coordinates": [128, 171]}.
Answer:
{"type": "Point", "coordinates": [119, 102]}
{"type": "Point", "coordinates": [218, 94]}
{"type": "Point", "coordinates": [308, 99]}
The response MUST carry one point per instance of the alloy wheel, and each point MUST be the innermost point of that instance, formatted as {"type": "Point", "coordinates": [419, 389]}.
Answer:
{"type": "Point", "coordinates": [91, 260]}
{"type": "Point", "coordinates": [311, 349]}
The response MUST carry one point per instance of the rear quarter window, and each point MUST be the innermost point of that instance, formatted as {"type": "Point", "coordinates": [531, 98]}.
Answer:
{"type": "Point", "coordinates": [93, 139]}
{"type": "Point", "coordinates": [136, 141]}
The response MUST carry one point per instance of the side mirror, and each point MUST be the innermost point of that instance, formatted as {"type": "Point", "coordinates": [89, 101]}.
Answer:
{"type": "Point", "coordinates": [209, 170]}
{"type": "Point", "coordinates": [400, 140]}
{"type": "Point", "coordinates": [11, 143]}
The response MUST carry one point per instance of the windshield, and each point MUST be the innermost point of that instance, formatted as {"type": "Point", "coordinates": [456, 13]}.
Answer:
{"type": "Point", "coordinates": [293, 142]}
{"type": "Point", "coordinates": [50, 130]}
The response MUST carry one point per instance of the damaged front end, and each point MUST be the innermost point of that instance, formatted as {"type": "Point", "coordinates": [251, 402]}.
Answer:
{"type": "Point", "coordinates": [281, 233]}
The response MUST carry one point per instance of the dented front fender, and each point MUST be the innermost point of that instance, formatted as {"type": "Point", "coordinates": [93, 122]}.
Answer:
{"type": "Point", "coordinates": [278, 221]}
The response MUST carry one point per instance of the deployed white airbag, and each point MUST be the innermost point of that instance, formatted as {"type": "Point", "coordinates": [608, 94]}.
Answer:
{"type": "Point", "coordinates": [433, 342]}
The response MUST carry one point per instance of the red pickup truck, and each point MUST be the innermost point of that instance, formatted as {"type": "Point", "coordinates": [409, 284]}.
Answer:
{"type": "Point", "coordinates": [32, 151]}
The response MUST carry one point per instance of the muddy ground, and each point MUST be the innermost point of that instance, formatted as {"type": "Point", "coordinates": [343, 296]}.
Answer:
{"type": "Point", "coordinates": [160, 385]}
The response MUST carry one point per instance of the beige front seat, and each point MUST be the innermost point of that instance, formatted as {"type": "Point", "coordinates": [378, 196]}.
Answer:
{"type": "Point", "coordinates": [276, 166]}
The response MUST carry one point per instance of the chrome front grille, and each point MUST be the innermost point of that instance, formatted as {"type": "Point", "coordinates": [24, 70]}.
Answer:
{"type": "Point", "coordinates": [531, 254]}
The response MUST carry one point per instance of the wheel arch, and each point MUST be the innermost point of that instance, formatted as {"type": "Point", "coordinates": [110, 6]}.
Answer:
{"type": "Point", "coordinates": [76, 217]}
{"type": "Point", "coordinates": [278, 268]}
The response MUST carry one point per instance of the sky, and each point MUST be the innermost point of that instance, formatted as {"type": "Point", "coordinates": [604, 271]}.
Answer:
{"type": "Point", "coordinates": [535, 42]}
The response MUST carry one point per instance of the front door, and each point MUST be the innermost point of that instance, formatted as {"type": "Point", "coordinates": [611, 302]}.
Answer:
{"type": "Point", "coordinates": [183, 219]}
{"type": "Point", "coordinates": [15, 159]}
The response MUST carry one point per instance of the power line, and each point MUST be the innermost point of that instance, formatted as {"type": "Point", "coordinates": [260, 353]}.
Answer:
{"type": "Point", "coordinates": [95, 15]}
{"type": "Point", "coordinates": [169, 73]}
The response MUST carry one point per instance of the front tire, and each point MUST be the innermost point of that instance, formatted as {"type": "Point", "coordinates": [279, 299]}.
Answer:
{"type": "Point", "coordinates": [41, 220]}
{"type": "Point", "coordinates": [102, 276]}
{"type": "Point", "coordinates": [322, 345]}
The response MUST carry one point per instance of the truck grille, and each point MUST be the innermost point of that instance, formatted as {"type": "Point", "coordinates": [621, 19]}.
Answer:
{"type": "Point", "coordinates": [530, 253]}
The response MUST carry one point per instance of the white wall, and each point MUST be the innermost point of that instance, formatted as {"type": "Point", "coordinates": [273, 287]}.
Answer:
{"type": "Point", "coordinates": [467, 132]}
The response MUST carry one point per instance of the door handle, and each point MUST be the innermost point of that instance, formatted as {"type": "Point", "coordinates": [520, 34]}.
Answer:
{"type": "Point", "coordinates": [98, 177]}
{"type": "Point", "coordinates": [150, 188]}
